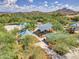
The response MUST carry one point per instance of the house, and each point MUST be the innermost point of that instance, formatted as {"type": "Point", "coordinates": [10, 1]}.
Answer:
{"type": "Point", "coordinates": [11, 27]}
{"type": "Point", "coordinates": [43, 29]}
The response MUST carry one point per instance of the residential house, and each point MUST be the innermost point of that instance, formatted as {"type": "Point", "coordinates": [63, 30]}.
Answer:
{"type": "Point", "coordinates": [43, 29]}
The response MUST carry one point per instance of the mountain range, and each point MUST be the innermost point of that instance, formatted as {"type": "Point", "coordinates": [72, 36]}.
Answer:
{"type": "Point", "coordinates": [63, 11]}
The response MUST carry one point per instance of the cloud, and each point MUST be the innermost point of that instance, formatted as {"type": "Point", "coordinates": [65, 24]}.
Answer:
{"type": "Point", "coordinates": [11, 2]}
{"type": "Point", "coordinates": [11, 6]}
{"type": "Point", "coordinates": [56, 2]}
{"type": "Point", "coordinates": [45, 3]}
{"type": "Point", "coordinates": [67, 5]}
{"type": "Point", "coordinates": [32, 8]}
{"type": "Point", "coordinates": [8, 3]}
{"type": "Point", "coordinates": [31, 1]}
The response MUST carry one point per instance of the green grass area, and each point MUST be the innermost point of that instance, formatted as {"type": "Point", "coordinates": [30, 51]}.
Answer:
{"type": "Point", "coordinates": [62, 42]}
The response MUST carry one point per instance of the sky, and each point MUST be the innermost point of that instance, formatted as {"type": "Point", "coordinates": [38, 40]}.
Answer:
{"type": "Point", "coordinates": [37, 5]}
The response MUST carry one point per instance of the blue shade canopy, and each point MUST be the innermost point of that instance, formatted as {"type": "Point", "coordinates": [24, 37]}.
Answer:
{"type": "Point", "coordinates": [26, 32]}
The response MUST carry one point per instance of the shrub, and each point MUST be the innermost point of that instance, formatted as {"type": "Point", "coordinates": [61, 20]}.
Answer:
{"type": "Point", "coordinates": [61, 48]}
{"type": "Point", "coordinates": [30, 39]}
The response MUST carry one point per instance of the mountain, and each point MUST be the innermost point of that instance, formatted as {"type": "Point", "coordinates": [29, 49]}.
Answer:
{"type": "Point", "coordinates": [66, 11]}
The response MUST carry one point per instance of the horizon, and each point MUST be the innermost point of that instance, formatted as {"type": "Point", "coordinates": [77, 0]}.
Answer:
{"type": "Point", "coordinates": [37, 5]}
